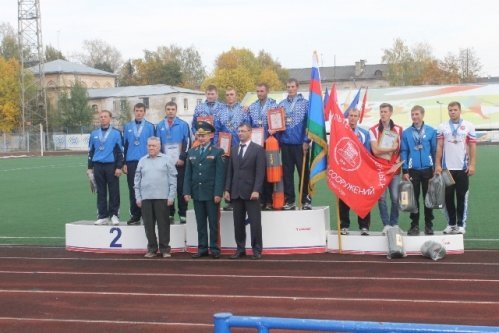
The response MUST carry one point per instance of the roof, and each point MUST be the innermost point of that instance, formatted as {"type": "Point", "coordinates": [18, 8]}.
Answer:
{"type": "Point", "coordinates": [338, 73]}
{"type": "Point", "coordinates": [131, 91]}
{"type": "Point", "coordinates": [66, 67]}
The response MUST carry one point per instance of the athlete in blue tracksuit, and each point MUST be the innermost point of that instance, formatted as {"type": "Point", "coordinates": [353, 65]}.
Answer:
{"type": "Point", "coordinates": [135, 135]}
{"type": "Point", "coordinates": [294, 145]}
{"type": "Point", "coordinates": [175, 142]}
{"type": "Point", "coordinates": [105, 158]}
{"type": "Point", "coordinates": [418, 148]}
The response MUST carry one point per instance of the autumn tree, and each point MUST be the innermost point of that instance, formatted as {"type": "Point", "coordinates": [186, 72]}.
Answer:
{"type": "Point", "coordinates": [9, 48]}
{"type": "Point", "coordinates": [98, 53]}
{"type": "Point", "coordinates": [167, 65]}
{"type": "Point", "coordinates": [469, 65]}
{"type": "Point", "coordinates": [51, 54]}
{"type": "Point", "coordinates": [10, 94]}
{"type": "Point", "coordinates": [73, 110]}
{"type": "Point", "coordinates": [399, 61]}
{"type": "Point", "coordinates": [241, 69]}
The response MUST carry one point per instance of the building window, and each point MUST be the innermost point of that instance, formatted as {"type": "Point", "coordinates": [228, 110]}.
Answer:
{"type": "Point", "coordinates": [174, 99]}
{"type": "Point", "coordinates": [145, 100]}
{"type": "Point", "coordinates": [199, 101]}
{"type": "Point", "coordinates": [95, 108]}
{"type": "Point", "coordinates": [378, 73]}
{"type": "Point", "coordinates": [186, 104]}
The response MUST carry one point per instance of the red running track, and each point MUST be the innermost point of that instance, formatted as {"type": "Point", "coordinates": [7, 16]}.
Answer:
{"type": "Point", "coordinates": [52, 290]}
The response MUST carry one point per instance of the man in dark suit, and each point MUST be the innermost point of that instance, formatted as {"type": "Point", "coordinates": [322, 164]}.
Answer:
{"type": "Point", "coordinates": [243, 185]}
{"type": "Point", "coordinates": [204, 183]}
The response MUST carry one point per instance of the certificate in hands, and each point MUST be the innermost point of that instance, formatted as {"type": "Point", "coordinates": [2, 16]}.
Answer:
{"type": "Point", "coordinates": [276, 119]}
{"type": "Point", "coordinates": [257, 135]}
{"type": "Point", "coordinates": [208, 119]}
{"type": "Point", "coordinates": [225, 142]}
{"type": "Point", "coordinates": [388, 138]}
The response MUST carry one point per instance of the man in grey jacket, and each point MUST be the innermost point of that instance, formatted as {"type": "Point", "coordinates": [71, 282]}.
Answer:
{"type": "Point", "coordinates": [155, 189]}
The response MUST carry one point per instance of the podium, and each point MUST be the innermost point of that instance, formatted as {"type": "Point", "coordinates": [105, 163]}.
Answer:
{"type": "Point", "coordinates": [376, 243]}
{"type": "Point", "coordinates": [283, 232]}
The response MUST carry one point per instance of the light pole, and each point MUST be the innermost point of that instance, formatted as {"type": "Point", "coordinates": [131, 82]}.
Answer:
{"type": "Point", "coordinates": [440, 103]}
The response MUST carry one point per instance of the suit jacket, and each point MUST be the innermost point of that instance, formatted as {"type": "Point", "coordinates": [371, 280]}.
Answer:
{"type": "Point", "coordinates": [246, 176]}
{"type": "Point", "coordinates": [204, 173]}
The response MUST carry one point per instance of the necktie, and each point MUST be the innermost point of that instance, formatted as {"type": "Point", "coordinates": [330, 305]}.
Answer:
{"type": "Point", "coordinates": [241, 151]}
{"type": "Point", "coordinates": [203, 149]}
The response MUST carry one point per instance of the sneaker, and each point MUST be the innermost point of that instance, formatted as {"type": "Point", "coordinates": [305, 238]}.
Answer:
{"type": "Point", "coordinates": [344, 231]}
{"type": "Point", "coordinates": [385, 229]}
{"type": "Point", "coordinates": [133, 221]}
{"type": "Point", "coordinates": [289, 206]}
{"type": "Point", "coordinates": [307, 206]}
{"type": "Point", "coordinates": [364, 232]}
{"type": "Point", "coordinates": [183, 219]}
{"type": "Point", "coordinates": [461, 230]}
{"type": "Point", "coordinates": [414, 231]}
{"type": "Point", "coordinates": [428, 231]}
{"type": "Point", "coordinates": [150, 255]}
{"type": "Point", "coordinates": [115, 220]}
{"type": "Point", "coordinates": [451, 229]}
{"type": "Point", "coordinates": [228, 207]}
{"type": "Point", "coordinates": [268, 207]}
{"type": "Point", "coordinates": [101, 221]}
{"type": "Point", "coordinates": [166, 255]}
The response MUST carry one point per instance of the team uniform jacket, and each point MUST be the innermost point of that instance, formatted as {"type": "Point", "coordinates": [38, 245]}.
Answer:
{"type": "Point", "coordinates": [258, 114]}
{"type": "Point", "coordinates": [422, 158]}
{"type": "Point", "coordinates": [204, 110]}
{"type": "Point", "coordinates": [228, 120]}
{"type": "Point", "coordinates": [113, 148]}
{"type": "Point", "coordinates": [178, 133]}
{"type": "Point", "coordinates": [296, 121]}
{"type": "Point", "coordinates": [132, 151]}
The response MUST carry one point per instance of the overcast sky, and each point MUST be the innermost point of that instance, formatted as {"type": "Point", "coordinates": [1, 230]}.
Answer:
{"type": "Point", "coordinates": [290, 30]}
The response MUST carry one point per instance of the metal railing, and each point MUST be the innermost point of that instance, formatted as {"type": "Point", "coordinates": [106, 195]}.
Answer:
{"type": "Point", "coordinates": [224, 322]}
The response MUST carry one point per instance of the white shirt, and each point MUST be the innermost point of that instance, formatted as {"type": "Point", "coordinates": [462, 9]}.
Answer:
{"type": "Point", "coordinates": [456, 138]}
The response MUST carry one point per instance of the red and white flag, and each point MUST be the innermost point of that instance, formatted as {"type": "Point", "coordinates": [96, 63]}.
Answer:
{"type": "Point", "coordinates": [353, 174]}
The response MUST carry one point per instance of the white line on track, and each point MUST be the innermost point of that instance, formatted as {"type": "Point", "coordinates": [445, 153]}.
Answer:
{"type": "Point", "coordinates": [123, 322]}
{"type": "Point", "coordinates": [256, 297]}
{"type": "Point", "coordinates": [52, 166]}
{"type": "Point", "coordinates": [30, 237]}
{"type": "Point", "coordinates": [255, 262]}
{"type": "Point", "coordinates": [236, 276]}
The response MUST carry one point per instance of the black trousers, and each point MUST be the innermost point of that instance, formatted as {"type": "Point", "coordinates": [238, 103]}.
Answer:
{"type": "Point", "coordinates": [155, 212]}
{"type": "Point", "coordinates": [292, 157]}
{"type": "Point", "coordinates": [135, 211]}
{"type": "Point", "coordinates": [253, 209]}
{"type": "Point", "coordinates": [268, 189]}
{"type": "Point", "coordinates": [419, 180]}
{"type": "Point", "coordinates": [181, 203]}
{"type": "Point", "coordinates": [345, 217]}
{"type": "Point", "coordinates": [107, 181]}
{"type": "Point", "coordinates": [207, 210]}
{"type": "Point", "coordinates": [460, 191]}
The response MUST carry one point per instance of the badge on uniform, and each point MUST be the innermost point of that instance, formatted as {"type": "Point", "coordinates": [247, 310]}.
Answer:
{"type": "Point", "coordinates": [211, 157]}
{"type": "Point", "coordinates": [101, 147]}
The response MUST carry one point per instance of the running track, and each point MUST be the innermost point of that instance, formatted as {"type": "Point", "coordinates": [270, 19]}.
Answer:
{"type": "Point", "coordinates": [47, 289]}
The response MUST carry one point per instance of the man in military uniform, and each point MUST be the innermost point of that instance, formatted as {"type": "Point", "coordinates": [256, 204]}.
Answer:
{"type": "Point", "coordinates": [204, 182]}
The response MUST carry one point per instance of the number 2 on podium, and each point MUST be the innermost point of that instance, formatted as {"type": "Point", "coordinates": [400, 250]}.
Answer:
{"type": "Point", "coordinates": [114, 242]}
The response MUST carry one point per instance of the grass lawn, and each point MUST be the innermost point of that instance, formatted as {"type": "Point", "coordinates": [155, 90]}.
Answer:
{"type": "Point", "coordinates": [39, 195]}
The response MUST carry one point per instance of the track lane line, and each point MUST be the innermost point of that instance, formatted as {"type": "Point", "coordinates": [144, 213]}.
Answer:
{"type": "Point", "coordinates": [256, 297]}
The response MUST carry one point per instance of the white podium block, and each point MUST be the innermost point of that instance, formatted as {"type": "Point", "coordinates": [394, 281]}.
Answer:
{"type": "Point", "coordinates": [376, 243]}
{"type": "Point", "coordinates": [84, 236]}
{"type": "Point", "coordinates": [283, 232]}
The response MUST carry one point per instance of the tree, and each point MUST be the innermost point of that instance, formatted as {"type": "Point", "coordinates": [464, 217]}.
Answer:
{"type": "Point", "coordinates": [469, 65]}
{"type": "Point", "coordinates": [399, 60]}
{"type": "Point", "coordinates": [74, 112]}
{"type": "Point", "coordinates": [9, 48]}
{"type": "Point", "coordinates": [241, 69]}
{"type": "Point", "coordinates": [10, 94]}
{"type": "Point", "coordinates": [168, 65]}
{"type": "Point", "coordinates": [98, 52]}
{"type": "Point", "coordinates": [51, 54]}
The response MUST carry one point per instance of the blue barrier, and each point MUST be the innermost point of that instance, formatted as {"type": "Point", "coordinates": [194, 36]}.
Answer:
{"type": "Point", "coordinates": [224, 321]}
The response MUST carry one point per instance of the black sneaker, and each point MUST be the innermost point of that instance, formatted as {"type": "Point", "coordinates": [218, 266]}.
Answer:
{"type": "Point", "coordinates": [133, 221]}
{"type": "Point", "coordinates": [428, 231]}
{"type": "Point", "coordinates": [414, 231]}
{"type": "Point", "coordinates": [228, 207]}
{"type": "Point", "coordinates": [289, 206]}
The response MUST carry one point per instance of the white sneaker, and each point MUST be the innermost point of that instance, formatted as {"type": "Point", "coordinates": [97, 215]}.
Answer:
{"type": "Point", "coordinates": [115, 220]}
{"type": "Point", "coordinates": [385, 229]}
{"type": "Point", "coordinates": [344, 231]}
{"type": "Point", "coordinates": [451, 229]}
{"type": "Point", "coordinates": [364, 232]}
{"type": "Point", "coordinates": [461, 230]}
{"type": "Point", "coordinates": [101, 221]}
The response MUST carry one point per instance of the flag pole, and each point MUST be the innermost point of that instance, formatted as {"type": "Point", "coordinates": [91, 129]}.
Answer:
{"type": "Point", "coordinates": [302, 176]}
{"type": "Point", "coordinates": [338, 226]}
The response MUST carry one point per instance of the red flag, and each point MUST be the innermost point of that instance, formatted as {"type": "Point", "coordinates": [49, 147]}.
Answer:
{"type": "Point", "coordinates": [332, 103]}
{"type": "Point", "coordinates": [363, 109]}
{"type": "Point", "coordinates": [353, 173]}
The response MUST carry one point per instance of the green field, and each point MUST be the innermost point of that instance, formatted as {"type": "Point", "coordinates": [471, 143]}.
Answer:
{"type": "Point", "coordinates": [38, 195]}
